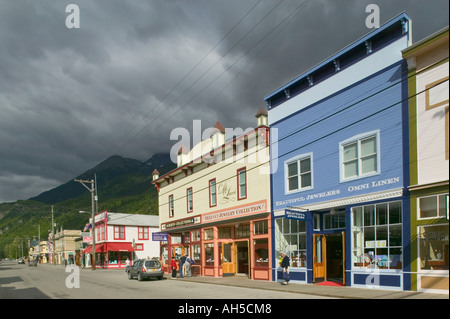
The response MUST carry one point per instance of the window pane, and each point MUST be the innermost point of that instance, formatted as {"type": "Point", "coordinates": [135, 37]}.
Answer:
{"type": "Point", "coordinates": [368, 146]}
{"type": "Point", "coordinates": [294, 226]}
{"type": "Point", "coordinates": [395, 235]}
{"type": "Point", "coordinates": [443, 205]}
{"type": "Point", "coordinates": [351, 169]}
{"type": "Point", "coordinates": [382, 214]}
{"type": "Point", "coordinates": [350, 152]}
{"type": "Point", "coordinates": [434, 247]}
{"type": "Point", "coordinates": [293, 183]}
{"type": "Point", "coordinates": [395, 213]}
{"type": "Point", "coordinates": [306, 180]}
{"type": "Point", "coordinates": [305, 165]}
{"type": "Point", "coordinates": [428, 207]}
{"type": "Point", "coordinates": [369, 164]}
{"type": "Point", "coordinates": [369, 215]}
{"type": "Point", "coordinates": [292, 169]}
{"type": "Point", "coordinates": [395, 258]}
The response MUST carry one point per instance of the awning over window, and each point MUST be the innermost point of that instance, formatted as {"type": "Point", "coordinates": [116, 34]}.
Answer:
{"type": "Point", "coordinates": [101, 248]}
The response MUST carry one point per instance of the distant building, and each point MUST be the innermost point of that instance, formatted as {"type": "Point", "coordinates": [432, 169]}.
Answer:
{"type": "Point", "coordinates": [119, 237]}
{"type": "Point", "coordinates": [428, 67]}
{"type": "Point", "coordinates": [65, 245]}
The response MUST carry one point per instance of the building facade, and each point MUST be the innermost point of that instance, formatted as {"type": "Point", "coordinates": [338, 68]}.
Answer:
{"type": "Point", "coordinates": [119, 237]}
{"type": "Point", "coordinates": [65, 246]}
{"type": "Point", "coordinates": [215, 206]}
{"type": "Point", "coordinates": [339, 190]}
{"type": "Point", "coordinates": [429, 152]}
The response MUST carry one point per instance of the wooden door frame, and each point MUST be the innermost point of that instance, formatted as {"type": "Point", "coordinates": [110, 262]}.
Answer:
{"type": "Point", "coordinates": [324, 255]}
{"type": "Point", "coordinates": [233, 256]}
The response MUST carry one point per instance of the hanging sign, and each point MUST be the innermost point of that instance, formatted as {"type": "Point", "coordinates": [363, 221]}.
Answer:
{"type": "Point", "coordinates": [293, 214]}
{"type": "Point", "coordinates": [160, 236]}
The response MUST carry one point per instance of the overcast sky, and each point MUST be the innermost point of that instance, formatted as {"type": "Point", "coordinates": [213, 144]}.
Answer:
{"type": "Point", "coordinates": [137, 69]}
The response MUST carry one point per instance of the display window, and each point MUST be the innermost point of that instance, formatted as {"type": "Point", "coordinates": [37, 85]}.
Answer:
{"type": "Point", "coordinates": [261, 253]}
{"type": "Point", "coordinates": [290, 237]}
{"type": "Point", "coordinates": [433, 247]}
{"type": "Point", "coordinates": [209, 254]}
{"type": "Point", "coordinates": [377, 236]}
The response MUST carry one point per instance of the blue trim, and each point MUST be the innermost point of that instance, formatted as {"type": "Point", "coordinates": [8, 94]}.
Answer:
{"type": "Point", "coordinates": [402, 17]}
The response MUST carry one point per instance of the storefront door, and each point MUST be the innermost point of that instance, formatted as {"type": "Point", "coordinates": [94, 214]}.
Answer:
{"type": "Point", "coordinates": [228, 257]}
{"type": "Point", "coordinates": [319, 258]}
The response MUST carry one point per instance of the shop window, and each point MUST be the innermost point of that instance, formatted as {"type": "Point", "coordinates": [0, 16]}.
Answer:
{"type": "Point", "coordinates": [261, 253]}
{"type": "Point", "coordinates": [119, 232]}
{"type": "Point", "coordinates": [377, 236]}
{"type": "Point", "coordinates": [196, 253]}
{"type": "Point", "coordinates": [290, 237]}
{"type": "Point", "coordinates": [242, 231]}
{"type": "Point", "coordinates": [113, 257]}
{"type": "Point", "coordinates": [165, 255]}
{"type": "Point", "coordinates": [175, 239]}
{"type": "Point", "coordinates": [334, 219]}
{"type": "Point", "coordinates": [359, 156]}
{"type": "Point", "coordinates": [195, 235]}
{"type": "Point", "coordinates": [433, 206]}
{"type": "Point", "coordinates": [143, 233]}
{"type": "Point", "coordinates": [224, 232]}
{"type": "Point", "coordinates": [433, 247]}
{"type": "Point", "coordinates": [209, 254]}
{"type": "Point", "coordinates": [186, 238]}
{"type": "Point", "coordinates": [261, 227]}
{"type": "Point", "coordinates": [298, 174]}
{"type": "Point", "coordinates": [124, 255]}
{"type": "Point", "coordinates": [209, 234]}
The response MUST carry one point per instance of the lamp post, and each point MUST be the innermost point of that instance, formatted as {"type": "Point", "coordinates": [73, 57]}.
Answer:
{"type": "Point", "coordinates": [92, 190]}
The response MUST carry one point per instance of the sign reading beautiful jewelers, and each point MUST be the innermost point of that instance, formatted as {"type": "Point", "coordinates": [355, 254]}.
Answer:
{"type": "Point", "coordinates": [258, 207]}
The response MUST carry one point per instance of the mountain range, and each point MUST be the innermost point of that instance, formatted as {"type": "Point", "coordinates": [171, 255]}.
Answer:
{"type": "Point", "coordinates": [123, 185]}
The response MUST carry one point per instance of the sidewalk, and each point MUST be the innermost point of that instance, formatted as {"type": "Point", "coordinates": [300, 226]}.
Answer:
{"type": "Point", "coordinates": [310, 289]}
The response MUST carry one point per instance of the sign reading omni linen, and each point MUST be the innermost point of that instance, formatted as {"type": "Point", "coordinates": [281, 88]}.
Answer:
{"type": "Point", "coordinates": [258, 207]}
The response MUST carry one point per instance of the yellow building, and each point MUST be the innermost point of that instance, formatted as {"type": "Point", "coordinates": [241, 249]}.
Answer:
{"type": "Point", "coordinates": [428, 67]}
{"type": "Point", "coordinates": [215, 206]}
{"type": "Point", "coordinates": [65, 245]}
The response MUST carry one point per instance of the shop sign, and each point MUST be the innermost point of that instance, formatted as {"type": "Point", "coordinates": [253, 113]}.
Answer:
{"type": "Point", "coordinates": [160, 236]}
{"type": "Point", "coordinates": [182, 222]}
{"type": "Point", "coordinates": [236, 212]}
{"type": "Point", "coordinates": [293, 214]}
{"type": "Point", "coordinates": [376, 244]}
{"type": "Point", "coordinates": [87, 239]}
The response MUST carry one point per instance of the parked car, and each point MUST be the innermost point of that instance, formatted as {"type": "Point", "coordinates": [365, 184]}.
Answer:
{"type": "Point", "coordinates": [21, 261]}
{"type": "Point", "coordinates": [145, 269]}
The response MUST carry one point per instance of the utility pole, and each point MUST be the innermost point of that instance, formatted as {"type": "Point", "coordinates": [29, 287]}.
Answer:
{"type": "Point", "coordinates": [92, 189]}
{"type": "Point", "coordinates": [53, 239]}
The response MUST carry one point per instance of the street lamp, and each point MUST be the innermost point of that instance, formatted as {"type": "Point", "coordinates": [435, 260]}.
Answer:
{"type": "Point", "coordinates": [93, 198]}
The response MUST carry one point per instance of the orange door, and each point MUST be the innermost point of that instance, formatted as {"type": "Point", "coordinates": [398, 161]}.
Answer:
{"type": "Point", "coordinates": [319, 258]}
{"type": "Point", "coordinates": [228, 259]}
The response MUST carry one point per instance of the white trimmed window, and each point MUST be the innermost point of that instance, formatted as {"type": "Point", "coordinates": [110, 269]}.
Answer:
{"type": "Point", "coordinates": [360, 156]}
{"type": "Point", "coordinates": [298, 173]}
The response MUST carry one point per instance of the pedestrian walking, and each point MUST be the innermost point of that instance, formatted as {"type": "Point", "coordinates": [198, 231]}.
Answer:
{"type": "Point", "coordinates": [173, 265]}
{"type": "Point", "coordinates": [181, 266]}
{"type": "Point", "coordinates": [187, 266]}
{"type": "Point", "coordinates": [285, 265]}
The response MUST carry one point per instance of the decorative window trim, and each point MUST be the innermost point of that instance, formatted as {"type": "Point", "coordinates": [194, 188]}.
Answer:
{"type": "Point", "coordinates": [171, 206]}
{"type": "Point", "coordinates": [286, 173]}
{"type": "Point", "coordinates": [358, 138]}
{"type": "Point", "coordinates": [187, 200]}
{"type": "Point", "coordinates": [117, 231]}
{"type": "Point", "coordinates": [215, 192]}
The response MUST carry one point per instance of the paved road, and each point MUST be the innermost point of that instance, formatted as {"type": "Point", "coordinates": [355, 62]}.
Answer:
{"type": "Point", "coordinates": [48, 281]}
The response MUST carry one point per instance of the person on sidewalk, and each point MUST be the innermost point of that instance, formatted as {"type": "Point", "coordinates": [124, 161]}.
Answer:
{"type": "Point", "coordinates": [173, 265]}
{"type": "Point", "coordinates": [285, 265]}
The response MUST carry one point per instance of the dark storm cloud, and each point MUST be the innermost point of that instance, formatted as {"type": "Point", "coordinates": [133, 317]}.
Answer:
{"type": "Point", "coordinates": [70, 98]}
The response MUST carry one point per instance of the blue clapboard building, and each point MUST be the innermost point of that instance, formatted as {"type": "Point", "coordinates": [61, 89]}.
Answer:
{"type": "Point", "coordinates": [339, 159]}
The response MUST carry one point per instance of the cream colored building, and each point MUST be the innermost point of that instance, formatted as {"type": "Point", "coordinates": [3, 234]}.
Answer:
{"type": "Point", "coordinates": [65, 245]}
{"type": "Point", "coordinates": [215, 206]}
{"type": "Point", "coordinates": [428, 67]}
